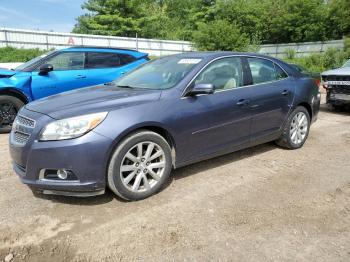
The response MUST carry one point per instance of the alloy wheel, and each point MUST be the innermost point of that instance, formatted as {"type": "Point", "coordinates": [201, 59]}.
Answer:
{"type": "Point", "coordinates": [142, 166]}
{"type": "Point", "coordinates": [299, 127]}
{"type": "Point", "coordinates": [8, 113]}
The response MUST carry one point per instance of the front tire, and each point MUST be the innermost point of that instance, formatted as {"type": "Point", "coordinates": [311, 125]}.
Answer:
{"type": "Point", "coordinates": [296, 129]}
{"type": "Point", "coordinates": [140, 166]}
{"type": "Point", "coordinates": [9, 107]}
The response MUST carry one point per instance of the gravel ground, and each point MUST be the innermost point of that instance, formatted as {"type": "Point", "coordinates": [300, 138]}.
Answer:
{"type": "Point", "coordinates": [259, 204]}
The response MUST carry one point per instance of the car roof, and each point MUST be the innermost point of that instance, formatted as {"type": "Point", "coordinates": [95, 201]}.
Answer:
{"type": "Point", "coordinates": [132, 52]}
{"type": "Point", "coordinates": [217, 54]}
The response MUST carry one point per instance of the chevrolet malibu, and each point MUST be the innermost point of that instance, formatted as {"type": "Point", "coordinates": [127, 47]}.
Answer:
{"type": "Point", "coordinates": [128, 135]}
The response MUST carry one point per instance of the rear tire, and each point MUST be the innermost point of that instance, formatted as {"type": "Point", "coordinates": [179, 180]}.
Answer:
{"type": "Point", "coordinates": [9, 107]}
{"type": "Point", "coordinates": [140, 166]}
{"type": "Point", "coordinates": [296, 129]}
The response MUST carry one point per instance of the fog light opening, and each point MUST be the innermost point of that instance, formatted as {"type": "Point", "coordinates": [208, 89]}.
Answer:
{"type": "Point", "coordinates": [62, 174]}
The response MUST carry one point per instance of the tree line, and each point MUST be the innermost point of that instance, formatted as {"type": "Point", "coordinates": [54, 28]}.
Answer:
{"type": "Point", "coordinates": [218, 24]}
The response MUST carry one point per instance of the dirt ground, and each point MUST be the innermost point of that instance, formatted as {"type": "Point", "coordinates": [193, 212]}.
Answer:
{"type": "Point", "coordinates": [260, 204]}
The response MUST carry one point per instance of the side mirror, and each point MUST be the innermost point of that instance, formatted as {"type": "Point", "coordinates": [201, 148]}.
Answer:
{"type": "Point", "coordinates": [44, 69]}
{"type": "Point", "coordinates": [202, 89]}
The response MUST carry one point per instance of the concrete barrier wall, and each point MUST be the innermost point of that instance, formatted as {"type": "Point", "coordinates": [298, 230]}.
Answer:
{"type": "Point", "coordinates": [301, 49]}
{"type": "Point", "coordinates": [53, 40]}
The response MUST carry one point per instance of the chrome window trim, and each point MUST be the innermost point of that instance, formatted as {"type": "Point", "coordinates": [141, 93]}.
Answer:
{"type": "Point", "coordinates": [183, 94]}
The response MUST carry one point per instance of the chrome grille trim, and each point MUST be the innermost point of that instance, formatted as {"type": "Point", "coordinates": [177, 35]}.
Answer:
{"type": "Point", "coordinates": [21, 138]}
{"type": "Point", "coordinates": [21, 130]}
{"type": "Point", "coordinates": [25, 121]}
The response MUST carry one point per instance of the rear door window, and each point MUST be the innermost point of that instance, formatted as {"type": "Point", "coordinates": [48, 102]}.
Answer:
{"type": "Point", "coordinates": [95, 60]}
{"type": "Point", "coordinates": [263, 70]}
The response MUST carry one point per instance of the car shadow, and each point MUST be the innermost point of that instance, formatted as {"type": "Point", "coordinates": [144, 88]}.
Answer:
{"type": "Point", "coordinates": [199, 167]}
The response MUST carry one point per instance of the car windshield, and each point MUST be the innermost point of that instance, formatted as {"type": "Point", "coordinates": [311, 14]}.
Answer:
{"type": "Point", "coordinates": [32, 61]}
{"type": "Point", "coordinates": [347, 64]}
{"type": "Point", "coordinates": [162, 73]}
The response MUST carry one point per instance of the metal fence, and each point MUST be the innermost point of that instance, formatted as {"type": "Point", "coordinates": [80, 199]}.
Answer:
{"type": "Point", "coordinates": [301, 49]}
{"type": "Point", "coordinates": [53, 40]}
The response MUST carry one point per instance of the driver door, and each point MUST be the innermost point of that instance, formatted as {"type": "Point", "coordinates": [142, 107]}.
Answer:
{"type": "Point", "coordinates": [68, 74]}
{"type": "Point", "coordinates": [220, 121]}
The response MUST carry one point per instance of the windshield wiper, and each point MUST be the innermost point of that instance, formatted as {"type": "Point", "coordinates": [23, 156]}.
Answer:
{"type": "Point", "coordinates": [125, 86]}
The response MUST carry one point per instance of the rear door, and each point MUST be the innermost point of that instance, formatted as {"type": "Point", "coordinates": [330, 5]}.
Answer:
{"type": "Point", "coordinates": [103, 67]}
{"type": "Point", "coordinates": [272, 97]}
{"type": "Point", "coordinates": [68, 74]}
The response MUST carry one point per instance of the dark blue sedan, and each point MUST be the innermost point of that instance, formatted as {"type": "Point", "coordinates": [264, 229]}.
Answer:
{"type": "Point", "coordinates": [168, 113]}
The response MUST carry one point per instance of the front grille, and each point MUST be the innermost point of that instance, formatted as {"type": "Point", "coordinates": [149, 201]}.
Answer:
{"type": "Point", "coordinates": [336, 78]}
{"type": "Point", "coordinates": [25, 121]}
{"type": "Point", "coordinates": [338, 84]}
{"type": "Point", "coordinates": [340, 89]}
{"type": "Point", "coordinates": [21, 168]}
{"type": "Point", "coordinates": [21, 138]}
{"type": "Point", "coordinates": [21, 130]}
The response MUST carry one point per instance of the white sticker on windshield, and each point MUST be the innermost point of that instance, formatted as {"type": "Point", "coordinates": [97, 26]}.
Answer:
{"type": "Point", "coordinates": [189, 61]}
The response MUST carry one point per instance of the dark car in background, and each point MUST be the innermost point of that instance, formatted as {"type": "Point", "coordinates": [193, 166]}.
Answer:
{"type": "Point", "coordinates": [59, 71]}
{"type": "Point", "coordinates": [337, 84]}
{"type": "Point", "coordinates": [166, 114]}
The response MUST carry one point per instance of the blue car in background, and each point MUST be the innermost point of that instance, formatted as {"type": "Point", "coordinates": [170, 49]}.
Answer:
{"type": "Point", "coordinates": [59, 71]}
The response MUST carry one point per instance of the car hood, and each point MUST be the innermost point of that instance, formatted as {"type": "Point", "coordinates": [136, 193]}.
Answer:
{"type": "Point", "coordinates": [338, 72]}
{"type": "Point", "coordinates": [91, 100]}
{"type": "Point", "coordinates": [6, 73]}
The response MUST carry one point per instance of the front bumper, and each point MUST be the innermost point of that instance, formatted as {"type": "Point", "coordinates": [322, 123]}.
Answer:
{"type": "Point", "coordinates": [338, 99]}
{"type": "Point", "coordinates": [66, 188]}
{"type": "Point", "coordinates": [86, 157]}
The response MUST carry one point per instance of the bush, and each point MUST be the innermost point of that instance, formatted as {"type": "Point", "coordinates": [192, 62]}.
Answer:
{"type": "Point", "coordinates": [220, 35]}
{"type": "Point", "coordinates": [12, 54]}
{"type": "Point", "coordinates": [290, 53]}
{"type": "Point", "coordinates": [332, 58]}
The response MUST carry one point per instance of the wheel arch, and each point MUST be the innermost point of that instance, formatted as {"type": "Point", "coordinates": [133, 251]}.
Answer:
{"type": "Point", "coordinates": [308, 108]}
{"type": "Point", "coordinates": [153, 127]}
{"type": "Point", "coordinates": [15, 93]}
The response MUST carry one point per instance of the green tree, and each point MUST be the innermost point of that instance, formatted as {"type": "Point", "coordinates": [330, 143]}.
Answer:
{"type": "Point", "coordinates": [111, 17]}
{"type": "Point", "coordinates": [259, 21]}
{"type": "Point", "coordinates": [338, 19]}
{"type": "Point", "coordinates": [297, 21]}
{"type": "Point", "coordinates": [220, 35]}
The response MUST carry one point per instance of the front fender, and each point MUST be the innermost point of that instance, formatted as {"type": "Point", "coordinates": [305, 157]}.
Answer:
{"type": "Point", "coordinates": [19, 83]}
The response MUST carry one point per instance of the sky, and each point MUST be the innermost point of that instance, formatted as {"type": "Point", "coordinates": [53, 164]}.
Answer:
{"type": "Point", "coordinates": [45, 15]}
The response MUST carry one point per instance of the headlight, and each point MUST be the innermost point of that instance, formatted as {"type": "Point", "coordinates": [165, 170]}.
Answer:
{"type": "Point", "coordinates": [71, 127]}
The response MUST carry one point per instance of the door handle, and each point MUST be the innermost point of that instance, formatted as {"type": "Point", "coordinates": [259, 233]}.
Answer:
{"type": "Point", "coordinates": [80, 76]}
{"type": "Point", "coordinates": [243, 102]}
{"type": "Point", "coordinates": [285, 92]}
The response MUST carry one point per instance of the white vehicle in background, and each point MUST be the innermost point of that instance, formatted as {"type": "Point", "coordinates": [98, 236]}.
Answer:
{"type": "Point", "coordinates": [337, 84]}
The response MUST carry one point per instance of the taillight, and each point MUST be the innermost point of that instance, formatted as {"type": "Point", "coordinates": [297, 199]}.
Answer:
{"type": "Point", "coordinates": [318, 82]}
